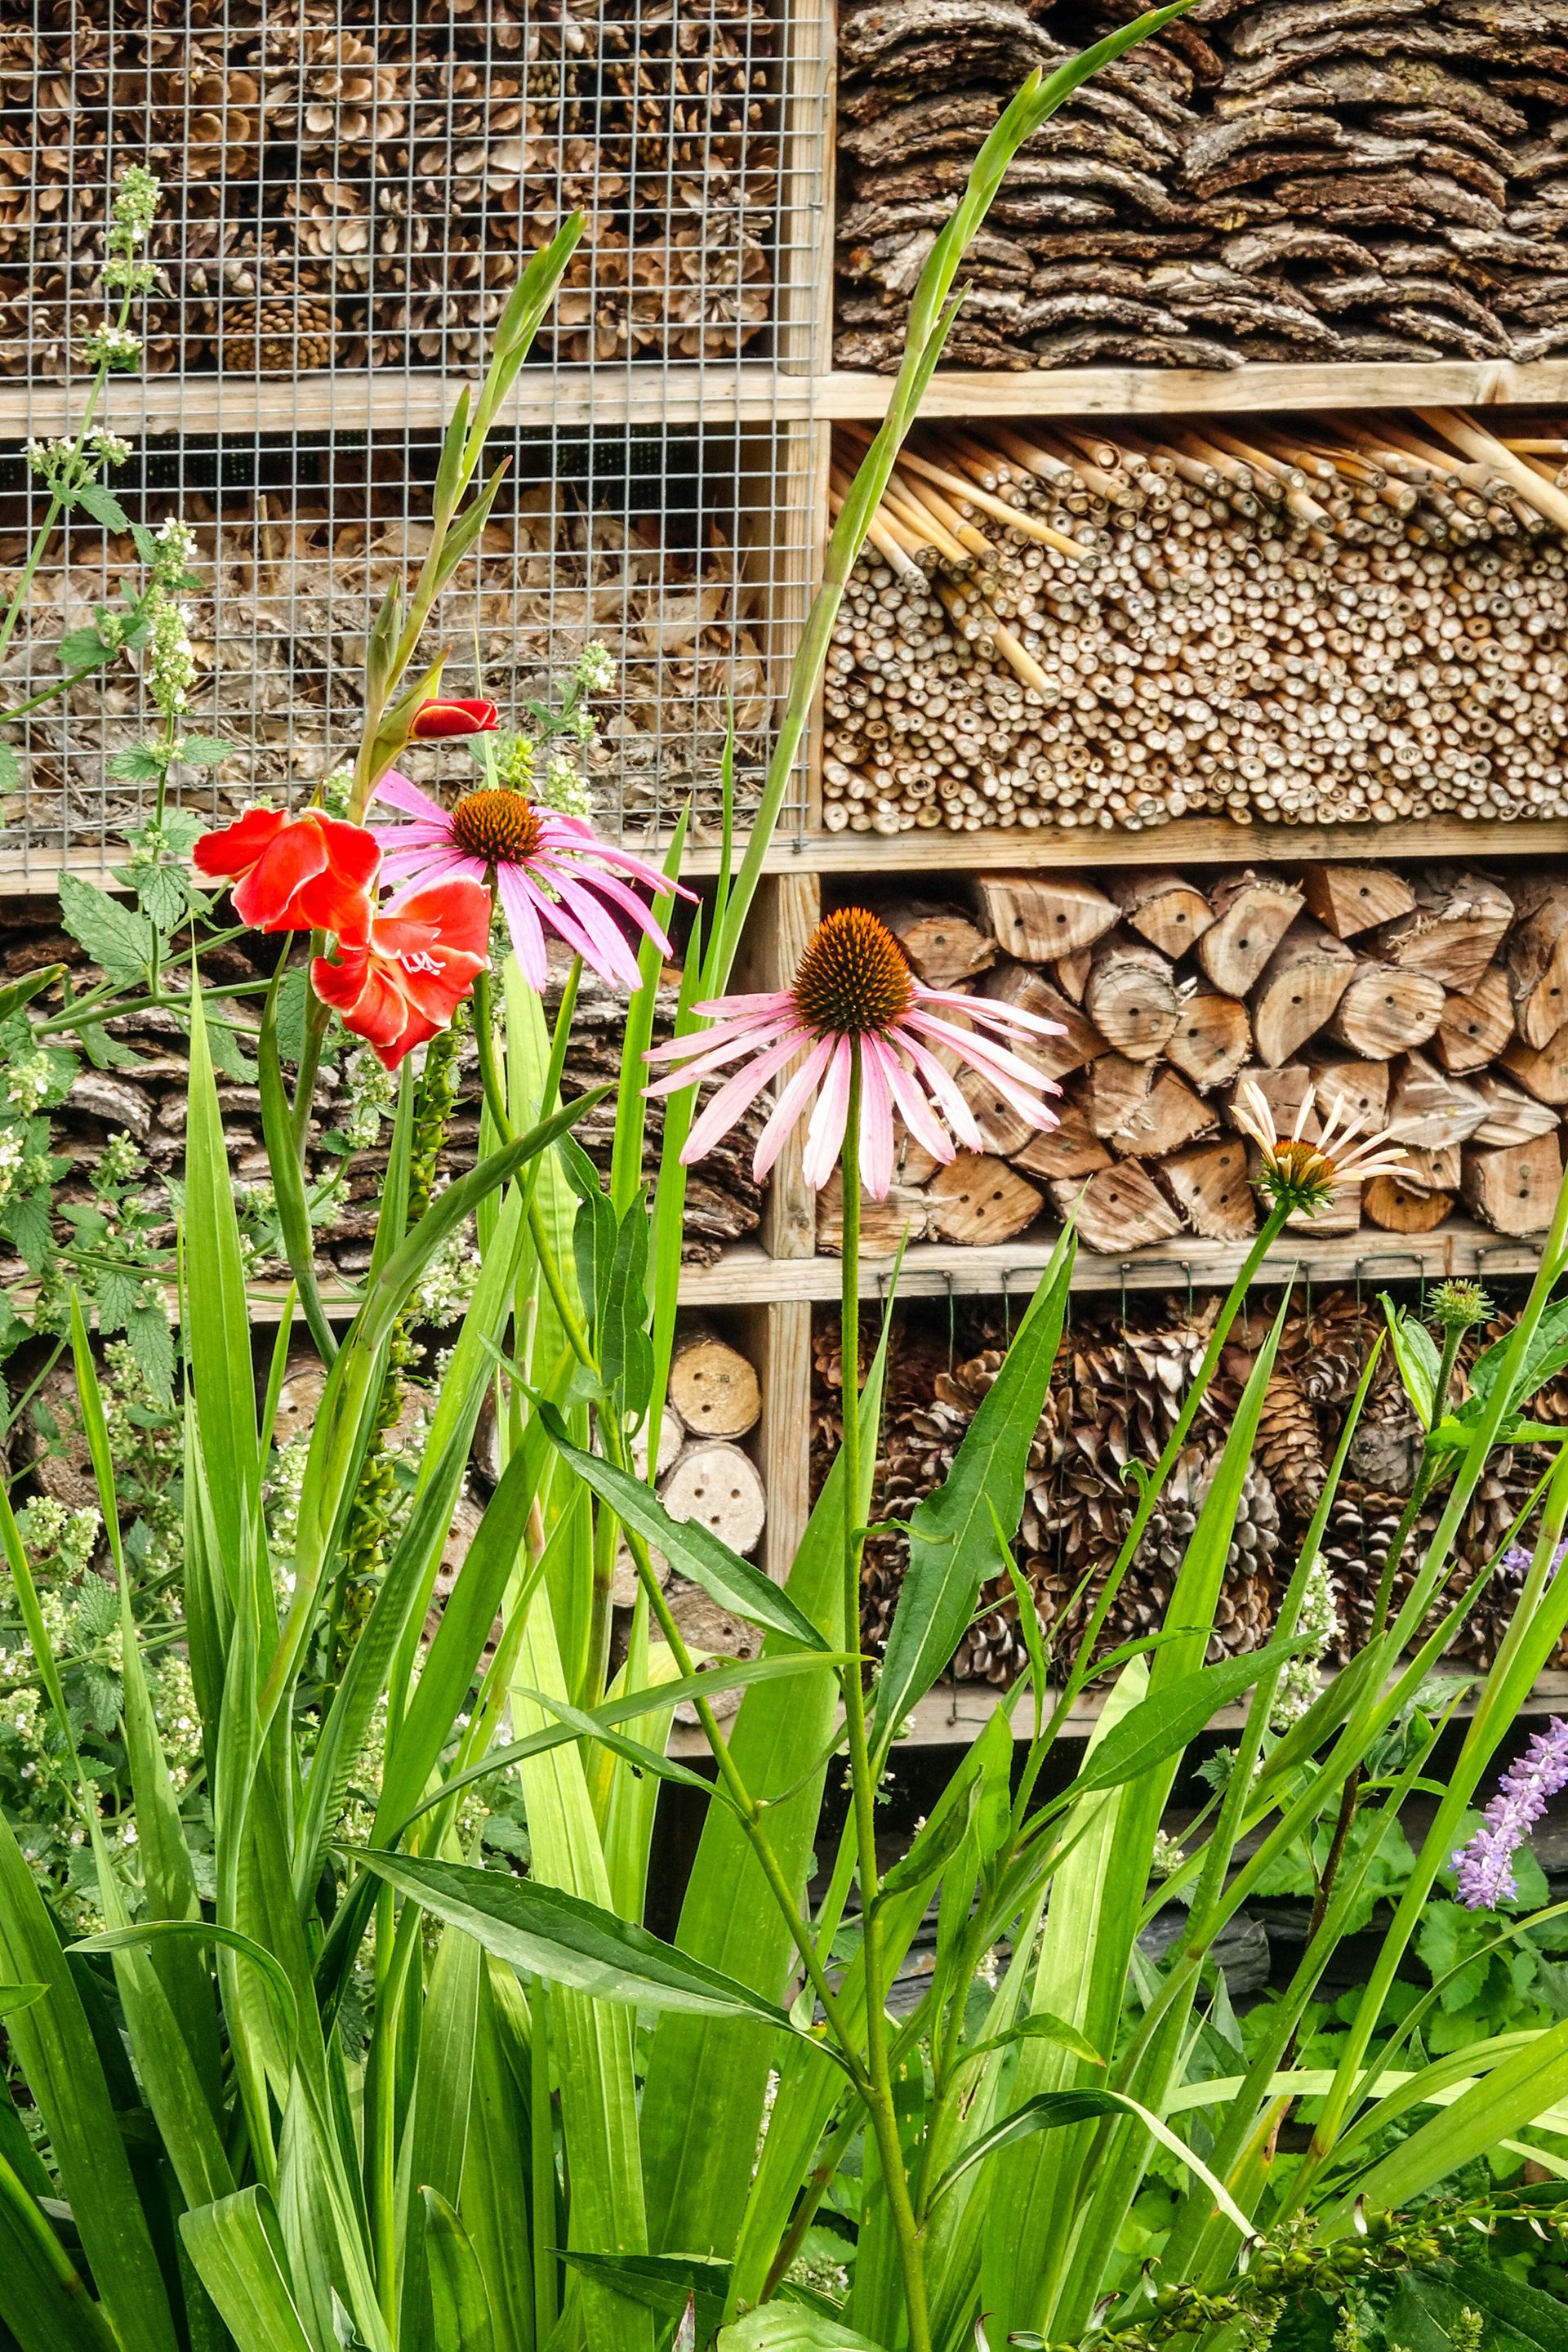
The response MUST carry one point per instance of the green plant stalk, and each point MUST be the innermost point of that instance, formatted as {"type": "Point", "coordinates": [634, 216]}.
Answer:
{"type": "Point", "coordinates": [862, 1782]}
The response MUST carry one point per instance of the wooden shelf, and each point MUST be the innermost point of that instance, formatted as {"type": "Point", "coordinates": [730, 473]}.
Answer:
{"type": "Point", "coordinates": [943, 1269]}
{"type": "Point", "coordinates": [1142, 392]}
{"type": "Point", "coordinates": [1189, 841]}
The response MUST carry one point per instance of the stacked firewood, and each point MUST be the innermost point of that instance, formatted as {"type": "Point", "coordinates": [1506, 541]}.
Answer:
{"type": "Point", "coordinates": [1434, 1005]}
{"type": "Point", "coordinates": [145, 1096]}
{"type": "Point", "coordinates": [289, 591]}
{"type": "Point", "coordinates": [363, 186]}
{"type": "Point", "coordinates": [1259, 182]}
{"type": "Point", "coordinates": [1321, 622]}
{"type": "Point", "coordinates": [1121, 1376]}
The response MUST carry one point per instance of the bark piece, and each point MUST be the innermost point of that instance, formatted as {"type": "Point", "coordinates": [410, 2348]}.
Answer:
{"type": "Point", "coordinates": [1514, 1190]}
{"type": "Point", "coordinates": [1164, 909]}
{"type": "Point", "coordinates": [1208, 1183]}
{"type": "Point", "coordinates": [1300, 988]}
{"type": "Point", "coordinates": [1453, 928]}
{"type": "Point", "coordinates": [1386, 1010]}
{"type": "Point", "coordinates": [1429, 1107]}
{"type": "Point", "coordinates": [1252, 913]}
{"type": "Point", "coordinates": [1120, 1209]}
{"type": "Point", "coordinates": [1039, 918]}
{"type": "Point", "coordinates": [1476, 1024]}
{"type": "Point", "coordinates": [1399, 1210]}
{"type": "Point", "coordinates": [1348, 899]}
{"type": "Point", "coordinates": [980, 1200]}
{"type": "Point", "coordinates": [1212, 1038]}
{"type": "Point", "coordinates": [1132, 998]}
{"type": "Point", "coordinates": [1070, 1149]}
{"type": "Point", "coordinates": [1537, 958]}
{"type": "Point", "coordinates": [941, 943]}
{"type": "Point", "coordinates": [713, 1387]}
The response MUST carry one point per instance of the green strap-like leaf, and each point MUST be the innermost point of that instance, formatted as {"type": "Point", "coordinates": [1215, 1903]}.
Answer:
{"type": "Point", "coordinates": [1053, 2109]}
{"type": "Point", "coordinates": [44, 2305]}
{"type": "Point", "coordinates": [236, 2248]}
{"type": "Point", "coordinates": [460, 2305]}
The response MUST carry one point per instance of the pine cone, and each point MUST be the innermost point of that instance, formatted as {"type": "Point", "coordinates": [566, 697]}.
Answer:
{"type": "Point", "coordinates": [1290, 1445]}
{"type": "Point", "coordinates": [277, 337]}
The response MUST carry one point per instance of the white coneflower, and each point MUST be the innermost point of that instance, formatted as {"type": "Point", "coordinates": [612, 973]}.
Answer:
{"type": "Point", "coordinates": [1303, 1176]}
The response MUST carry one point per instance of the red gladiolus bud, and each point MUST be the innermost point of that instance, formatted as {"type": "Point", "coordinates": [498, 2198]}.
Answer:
{"type": "Point", "coordinates": [310, 873]}
{"type": "Point", "coordinates": [435, 720]}
{"type": "Point", "coordinates": [418, 964]}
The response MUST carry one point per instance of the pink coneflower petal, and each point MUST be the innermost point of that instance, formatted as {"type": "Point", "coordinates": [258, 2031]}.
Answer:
{"type": "Point", "coordinates": [618, 894]}
{"type": "Point", "coordinates": [940, 1083]}
{"type": "Point", "coordinates": [964, 1042]}
{"type": "Point", "coordinates": [704, 1065]}
{"type": "Point", "coordinates": [699, 1041]}
{"type": "Point", "coordinates": [421, 829]}
{"type": "Point", "coordinates": [770, 1000]}
{"type": "Point", "coordinates": [522, 922]}
{"type": "Point", "coordinates": [615, 952]}
{"type": "Point", "coordinates": [786, 1111]}
{"type": "Point", "coordinates": [991, 1008]}
{"type": "Point", "coordinates": [736, 1095]}
{"type": "Point", "coordinates": [875, 1121]}
{"type": "Point", "coordinates": [401, 792]}
{"type": "Point", "coordinates": [1024, 1101]}
{"type": "Point", "coordinates": [824, 1137]}
{"type": "Point", "coordinates": [434, 865]}
{"type": "Point", "coordinates": [608, 854]}
{"type": "Point", "coordinates": [915, 1109]}
{"type": "Point", "coordinates": [553, 915]}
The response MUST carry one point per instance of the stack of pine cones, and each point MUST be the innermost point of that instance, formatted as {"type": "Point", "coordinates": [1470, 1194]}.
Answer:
{"type": "Point", "coordinates": [1121, 1377]}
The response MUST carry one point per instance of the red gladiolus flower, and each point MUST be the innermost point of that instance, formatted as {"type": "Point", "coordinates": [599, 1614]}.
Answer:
{"type": "Point", "coordinates": [310, 873]}
{"type": "Point", "coordinates": [418, 964]}
{"type": "Point", "coordinates": [432, 720]}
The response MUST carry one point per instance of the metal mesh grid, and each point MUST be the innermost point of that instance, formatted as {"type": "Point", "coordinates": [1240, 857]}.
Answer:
{"type": "Point", "coordinates": [670, 548]}
{"type": "Point", "coordinates": [350, 192]}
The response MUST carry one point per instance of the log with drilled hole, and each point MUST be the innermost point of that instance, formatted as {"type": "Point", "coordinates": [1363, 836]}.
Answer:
{"type": "Point", "coordinates": [1421, 1000]}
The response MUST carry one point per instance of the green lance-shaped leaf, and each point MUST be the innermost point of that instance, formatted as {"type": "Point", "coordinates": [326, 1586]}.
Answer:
{"type": "Point", "coordinates": [44, 2305]}
{"type": "Point", "coordinates": [668, 2284]}
{"type": "Point", "coordinates": [217, 1317]}
{"type": "Point", "coordinates": [1161, 1725]}
{"type": "Point", "coordinates": [236, 2250]}
{"type": "Point", "coordinates": [460, 2305]}
{"type": "Point", "coordinates": [953, 1541]}
{"type": "Point", "coordinates": [1427, 2314]}
{"type": "Point", "coordinates": [1053, 2109]}
{"type": "Point", "coordinates": [287, 1167]}
{"type": "Point", "coordinates": [690, 1549]}
{"type": "Point", "coordinates": [792, 2327]}
{"type": "Point", "coordinates": [22, 992]}
{"type": "Point", "coordinates": [556, 1936]}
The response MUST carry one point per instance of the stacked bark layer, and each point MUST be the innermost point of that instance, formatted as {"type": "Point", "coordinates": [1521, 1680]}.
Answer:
{"type": "Point", "coordinates": [1323, 623]}
{"type": "Point", "coordinates": [146, 1098]}
{"type": "Point", "coordinates": [1120, 1379]}
{"type": "Point", "coordinates": [1433, 1005]}
{"type": "Point", "coordinates": [290, 589]}
{"type": "Point", "coordinates": [361, 186]}
{"type": "Point", "coordinates": [1264, 180]}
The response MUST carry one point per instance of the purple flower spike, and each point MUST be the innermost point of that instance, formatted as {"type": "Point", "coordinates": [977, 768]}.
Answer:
{"type": "Point", "coordinates": [1518, 1559]}
{"type": "Point", "coordinates": [1485, 1866]}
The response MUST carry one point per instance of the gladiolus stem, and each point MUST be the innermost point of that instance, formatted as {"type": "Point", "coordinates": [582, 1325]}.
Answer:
{"type": "Point", "coordinates": [880, 2087]}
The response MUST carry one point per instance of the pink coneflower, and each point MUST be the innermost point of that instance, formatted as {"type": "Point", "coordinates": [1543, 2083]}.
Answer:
{"type": "Point", "coordinates": [549, 870]}
{"type": "Point", "coordinates": [854, 985]}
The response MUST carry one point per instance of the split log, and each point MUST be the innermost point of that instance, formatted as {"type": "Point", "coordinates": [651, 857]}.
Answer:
{"type": "Point", "coordinates": [1349, 899]}
{"type": "Point", "coordinates": [1357, 1090]}
{"type": "Point", "coordinates": [1476, 1024]}
{"type": "Point", "coordinates": [1386, 1011]}
{"type": "Point", "coordinates": [941, 943]}
{"type": "Point", "coordinates": [1342, 1216]}
{"type": "Point", "coordinates": [1284, 1090]}
{"type": "Point", "coordinates": [1428, 1108]}
{"type": "Point", "coordinates": [1514, 1190]}
{"type": "Point", "coordinates": [1453, 928]}
{"type": "Point", "coordinates": [713, 1387]}
{"type": "Point", "coordinates": [1512, 1115]}
{"type": "Point", "coordinates": [980, 1200]}
{"type": "Point", "coordinates": [1543, 1071]}
{"type": "Point", "coordinates": [1072, 973]}
{"type": "Point", "coordinates": [1252, 913]}
{"type": "Point", "coordinates": [1070, 1149]}
{"type": "Point", "coordinates": [1538, 965]}
{"type": "Point", "coordinates": [1208, 1183]}
{"type": "Point", "coordinates": [1142, 1112]}
{"type": "Point", "coordinates": [1212, 1037]}
{"type": "Point", "coordinates": [712, 1632]}
{"type": "Point", "coordinates": [1039, 918]}
{"type": "Point", "coordinates": [1431, 1171]}
{"type": "Point", "coordinates": [1167, 909]}
{"type": "Point", "coordinates": [720, 1488]}
{"type": "Point", "coordinates": [1117, 1211]}
{"type": "Point", "coordinates": [1132, 998]}
{"type": "Point", "coordinates": [904, 1215]}
{"type": "Point", "coordinates": [1399, 1209]}
{"type": "Point", "coordinates": [1298, 990]}
{"type": "Point", "coordinates": [1021, 984]}
{"type": "Point", "coordinates": [1003, 1129]}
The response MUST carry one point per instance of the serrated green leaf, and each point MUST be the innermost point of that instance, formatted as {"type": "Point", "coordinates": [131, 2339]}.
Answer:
{"type": "Point", "coordinates": [99, 500]}
{"type": "Point", "coordinates": [139, 763]}
{"type": "Point", "coordinates": [207, 750]}
{"type": "Point", "coordinates": [121, 941]}
{"type": "Point", "coordinates": [81, 648]}
{"type": "Point", "coordinates": [164, 896]}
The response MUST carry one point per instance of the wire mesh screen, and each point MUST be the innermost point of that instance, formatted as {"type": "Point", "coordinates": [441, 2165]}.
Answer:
{"type": "Point", "coordinates": [672, 549]}
{"type": "Point", "coordinates": [349, 194]}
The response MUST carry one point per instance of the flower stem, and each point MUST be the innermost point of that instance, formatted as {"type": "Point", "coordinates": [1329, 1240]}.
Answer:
{"type": "Point", "coordinates": [863, 1783]}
